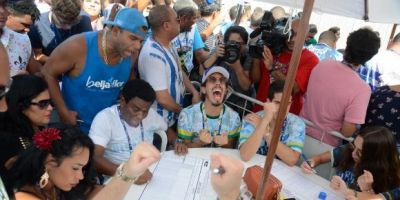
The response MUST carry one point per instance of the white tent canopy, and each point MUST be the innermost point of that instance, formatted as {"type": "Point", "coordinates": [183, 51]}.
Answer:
{"type": "Point", "coordinates": [380, 11]}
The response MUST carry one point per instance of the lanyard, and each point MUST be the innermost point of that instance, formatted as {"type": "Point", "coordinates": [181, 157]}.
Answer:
{"type": "Point", "coordinates": [205, 119]}
{"type": "Point", "coordinates": [126, 130]}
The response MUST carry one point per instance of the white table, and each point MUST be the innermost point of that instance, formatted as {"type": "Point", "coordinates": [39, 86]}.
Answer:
{"type": "Point", "coordinates": [295, 183]}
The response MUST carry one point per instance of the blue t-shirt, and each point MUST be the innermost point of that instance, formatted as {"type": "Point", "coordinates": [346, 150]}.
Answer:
{"type": "Point", "coordinates": [186, 44]}
{"type": "Point", "coordinates": [97, 86]}
{"type": "Point", "coordinates": [292, 133]}
{"type": "Point", "coordinates": [46, 36]}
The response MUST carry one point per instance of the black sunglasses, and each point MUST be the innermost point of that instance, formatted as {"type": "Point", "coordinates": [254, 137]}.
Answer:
{"type": "Point", "coordinates": [43, 104]}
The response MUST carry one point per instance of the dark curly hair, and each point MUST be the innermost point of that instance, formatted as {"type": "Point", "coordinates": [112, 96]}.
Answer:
{"type": "Point", "coordinates": [29, 166]}
{"type": "Point", "coordinates": [24, 7]}
{"type": "Point", "coordinates": [239, 30]}
{"type": "Point", "coordinates": [361, 45]}
{"type": "Point", "coordinates": [138, 88]}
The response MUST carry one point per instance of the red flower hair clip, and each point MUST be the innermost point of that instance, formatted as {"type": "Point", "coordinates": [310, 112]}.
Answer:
{"type": "Point", "coordinates": [43, 139]}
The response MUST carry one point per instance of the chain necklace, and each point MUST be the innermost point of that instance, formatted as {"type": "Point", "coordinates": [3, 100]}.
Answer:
{"type": "Point", "coordinates": [207, 126]}
{"type": "Point", "coordinates": [104, 47]}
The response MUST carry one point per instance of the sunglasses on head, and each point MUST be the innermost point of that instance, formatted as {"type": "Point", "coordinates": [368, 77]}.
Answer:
{"type": "Point", "coordinates": [42, 104]}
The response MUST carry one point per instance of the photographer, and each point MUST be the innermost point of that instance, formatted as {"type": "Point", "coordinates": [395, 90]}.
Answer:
{"type": "Point", "coordinates": [233, 55]}
{"type": "Point", "coordinates": [274, 65]}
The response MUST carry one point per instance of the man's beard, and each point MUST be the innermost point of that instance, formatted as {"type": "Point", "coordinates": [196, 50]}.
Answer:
{"type": "Point", "coordinates": [186, 29]}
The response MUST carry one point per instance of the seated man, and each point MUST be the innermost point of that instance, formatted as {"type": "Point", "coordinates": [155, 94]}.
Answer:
{"type": "Point", "coordinates": [210, 122]}
{"type": "Point", "coordinates": [255, 135]}
{"type": "Point", "coordinates": [117, 130]}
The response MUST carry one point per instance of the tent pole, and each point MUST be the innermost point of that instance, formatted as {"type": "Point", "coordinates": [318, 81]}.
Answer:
{"type": "Point", "coordinates": [392, 34]}
{"type": "Point", "coordinates": [289, 83]}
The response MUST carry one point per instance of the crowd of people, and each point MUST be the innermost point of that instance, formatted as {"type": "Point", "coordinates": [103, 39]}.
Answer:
{"type": "Point", "coordinates": [85, 84]}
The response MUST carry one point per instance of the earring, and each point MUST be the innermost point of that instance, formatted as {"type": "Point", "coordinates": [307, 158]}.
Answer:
{"type": "Point", "coordinates": [44, 179]}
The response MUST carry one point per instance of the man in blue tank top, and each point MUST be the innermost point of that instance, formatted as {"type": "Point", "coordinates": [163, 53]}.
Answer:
{"type": "Point", "coordinates": [94, 66]}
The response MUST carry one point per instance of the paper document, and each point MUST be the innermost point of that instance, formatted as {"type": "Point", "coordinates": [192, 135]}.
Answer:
{"type": "Point", "coordinates": [297, 185]}
{"type": "Point", "coordinates": [180, 177]}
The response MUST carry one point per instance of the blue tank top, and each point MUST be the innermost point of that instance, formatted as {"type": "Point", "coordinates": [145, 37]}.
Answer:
{"type": "Point", "coordinates": [97, 87]}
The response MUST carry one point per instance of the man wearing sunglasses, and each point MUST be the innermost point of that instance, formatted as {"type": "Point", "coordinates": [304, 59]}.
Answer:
{"type": "Point", "coordinates": [94, 66]}
{"type": "Point", "coordinates": [209, 123]}
{"type": "Point", "coordinates": [159, 65]}
{"type": "Point", "coordinates": [54, 27]}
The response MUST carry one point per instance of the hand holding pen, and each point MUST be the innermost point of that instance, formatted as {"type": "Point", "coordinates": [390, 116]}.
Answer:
{"type": "Point", "coordinates": [308, 165]}
{"type": "Point", "coordinates": [226, 176]}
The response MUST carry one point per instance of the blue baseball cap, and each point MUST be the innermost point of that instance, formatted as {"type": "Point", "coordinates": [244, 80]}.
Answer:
{"type": "Point", "coordinates": [129, 19]}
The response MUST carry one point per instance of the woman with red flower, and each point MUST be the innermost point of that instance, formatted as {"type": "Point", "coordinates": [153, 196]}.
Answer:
{"type": "Point", "coordinates": [29, 110]}
{"type": "Point", "coordinates": [59, 165]}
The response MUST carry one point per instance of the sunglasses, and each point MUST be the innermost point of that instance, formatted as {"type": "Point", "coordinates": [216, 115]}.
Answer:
{"type": "Point", "coordinates": [43, 104]}
{"type": "Point", "coordinates": [214, 80]}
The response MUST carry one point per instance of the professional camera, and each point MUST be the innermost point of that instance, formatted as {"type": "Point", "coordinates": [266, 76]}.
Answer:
{"type": "Point", "coordinates": [232, 51]}
{"type": "Point", "coordinates": [272, 35]}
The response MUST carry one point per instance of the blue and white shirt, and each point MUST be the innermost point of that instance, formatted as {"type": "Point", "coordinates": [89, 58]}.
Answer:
{"type": "Point", "coordinates": [323, 51]}
{"type": "Point", "coordinates": [159, 66]}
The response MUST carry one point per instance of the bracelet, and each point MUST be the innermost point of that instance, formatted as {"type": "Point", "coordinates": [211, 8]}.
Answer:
{"type": "Point", "coordinates": [178, 140]}
{"type": "Point", "coordinates": [122, 175]}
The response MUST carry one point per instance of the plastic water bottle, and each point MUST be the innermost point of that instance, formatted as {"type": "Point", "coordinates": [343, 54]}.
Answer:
{"type": "Point", "coordinates": [322, 196]}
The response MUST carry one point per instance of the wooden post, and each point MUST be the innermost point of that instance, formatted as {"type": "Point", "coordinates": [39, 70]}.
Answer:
{"type": "Point", "coordinates": [392, 34]}
{"type": "Point", "coordinates": [289, 82]}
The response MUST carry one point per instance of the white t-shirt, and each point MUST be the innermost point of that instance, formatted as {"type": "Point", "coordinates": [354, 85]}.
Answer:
{"type": "Point", "coordinates": [107, 131]}
{"type": "Point", "coordinates": [18, 48]}
{"type": "Point", "coordinates": [387, 64]}
{"type": "Point", "coordinates": [159, 67]}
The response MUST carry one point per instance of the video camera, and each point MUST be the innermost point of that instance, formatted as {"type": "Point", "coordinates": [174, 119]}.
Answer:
{"type": "Point", "coordinates": [272, 36]}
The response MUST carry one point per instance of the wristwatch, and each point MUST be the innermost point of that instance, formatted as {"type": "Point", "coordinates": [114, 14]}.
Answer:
{"type": "Point", "coordinates": [121, 174]}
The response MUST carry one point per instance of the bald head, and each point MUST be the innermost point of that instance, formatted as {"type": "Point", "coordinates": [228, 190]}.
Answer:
{"type": "Point", "coordinates": [295, 30]}
{"type": "Point", "coordinates": [278, 12]}
{"type": "Point", "coordinates": [328, 37]}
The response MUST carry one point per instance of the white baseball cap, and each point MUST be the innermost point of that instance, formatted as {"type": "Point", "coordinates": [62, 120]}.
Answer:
{"type": "Point", "coordinates": [212, 70]}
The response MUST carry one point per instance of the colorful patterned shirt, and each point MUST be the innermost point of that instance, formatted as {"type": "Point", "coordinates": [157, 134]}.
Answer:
{"type": "Point", "coordinates": [323, 51]}
{"type": "Point", "coordinates": [292, 133]}
{"type": "Point", "coordinates": [191, 122]}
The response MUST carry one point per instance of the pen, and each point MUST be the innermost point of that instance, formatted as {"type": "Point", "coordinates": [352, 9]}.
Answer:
{"type": "Point", "coordinates": [308, 163]}
{"type": "Point", "coordinates": [220, 170]}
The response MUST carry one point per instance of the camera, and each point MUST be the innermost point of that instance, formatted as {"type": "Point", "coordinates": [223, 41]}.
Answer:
{"type": "Point", "coordinates": [272, 35]}
{"type": "Point", "coordinates": [232, 51]}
